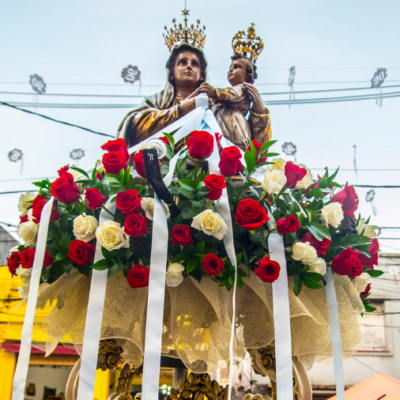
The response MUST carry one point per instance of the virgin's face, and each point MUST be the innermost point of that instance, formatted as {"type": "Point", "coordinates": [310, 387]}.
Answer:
{"type": "Point", "coordinates": [237, 71]}
{"type": "Point", "coordinates": [187, 70]}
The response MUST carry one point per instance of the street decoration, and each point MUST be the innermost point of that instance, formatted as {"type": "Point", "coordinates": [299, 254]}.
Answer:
{"type": "Point", "coordinates": [377, 81]}
{"type": "Point", "coordinates": [292, 73]}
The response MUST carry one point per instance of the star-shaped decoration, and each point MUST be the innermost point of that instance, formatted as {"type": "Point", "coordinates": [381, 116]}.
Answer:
{"type": "Point", "coordinates": [185, 12]}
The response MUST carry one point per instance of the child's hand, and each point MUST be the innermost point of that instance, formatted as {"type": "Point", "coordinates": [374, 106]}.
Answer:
{"type": "Point", "coordinates": [207, 89]}
{"type": "Point", "coordinates": [258, 104]}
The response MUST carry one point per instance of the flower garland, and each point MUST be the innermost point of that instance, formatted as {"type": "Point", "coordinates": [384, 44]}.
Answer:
{"type": "Point", "coordinates": [316, 220]}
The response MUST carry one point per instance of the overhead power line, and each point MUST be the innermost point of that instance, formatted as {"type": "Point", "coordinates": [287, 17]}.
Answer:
{"type": "Point", "coordinates": [55, 120]}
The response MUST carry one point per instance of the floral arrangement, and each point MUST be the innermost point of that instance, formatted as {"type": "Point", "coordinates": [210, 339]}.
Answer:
{"type": "Point", "coordinates": [315, 218]}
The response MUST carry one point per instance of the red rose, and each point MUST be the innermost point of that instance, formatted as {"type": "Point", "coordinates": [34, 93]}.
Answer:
{"type": "Point", "coordinates": [321, 247]}
{"type": "Point", "coordinates": [294, 173]}
{"type": "Point", "coordinates": [258, 146]}
{"type": "Point", "coordinates": [200, 144]}
{"type": "Point", "coordinates": [138, 276]}
{"type": "Point", "coordinates": [373, 250]}
{"type": "Point", "coordinates": [28, 256]}
{"type": "Point", "coordinates": [250, 215]}
{"type": "Point", "coordinates": [65, 189]}
{"type": "Point", "coordinates": [135, 225]}
{"type": "Point", "coordinates": [14, 261]}
{"type": "Point", "coordinates": [37, 207]}
{"type": "Point", "coordinates": [139, 163]}
{"type": "Point", "coordinates": [366, 290]}
{"type": "Point", "coordinates": [165, 140]}
{"type": "Point", "coordinates": [113, 162]}
{"type": "Point", "coordinates": [94, 198]}
{"type": "Point", "coordinates": [98, 176]}
{"type": "Point", "coordinates": [215, 183]}
{"type": "Point", "coordinates": [268, 270]}
{"type": "Point", "coordinates": [290, 224]}
{"type": "Point", "coordinates": [347, 263]}
{"type": "Point", "coordinates": [180, 235]}
{"type": "Point", "coordinates": [63, 169]}
{"type": "Point", "coordinates": [117, 145]}
{"type": "Point", "coordinates": [80, 252]}
{"type": "Point", "coordinates": [230, 163]}
{"type": "Point", "coordinates": [129, 201]}
{"type": "Point", "coordinates": [348, 199]}
{"type": "Point", "coordinates": [218, 137]}
{"type": "Point", "coordinates": [23, 218]}
{"type": "Point", "coordinates": [212, 264]}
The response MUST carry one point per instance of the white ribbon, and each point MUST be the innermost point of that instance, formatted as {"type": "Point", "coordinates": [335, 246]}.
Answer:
{"type": "Point", "coordinates": [283, 339]}
{"type": "Point", "coordinates": [21, 371]}
{"type": "Point", "coordinates": [94, 318]}
{"type": "Point", "coordinates": [336, 338]}
{"type": "Point", "coordinates": [158, 262]}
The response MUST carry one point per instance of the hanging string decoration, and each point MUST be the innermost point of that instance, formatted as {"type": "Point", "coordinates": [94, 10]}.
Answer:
{"type": "Point", "coordinates": [292, 73]}
{"type": "Point", "coordinates": [76, 155]}
{"type": "Point", "coordinates": [394, 270]}
{"type": "Point", "coordinates": [131, 74]}
{"type": "Point", "coordinates": [16, 155]}
{"type": "Point", "coordinates": [355, 160]}
{"type": "Point", "coordinates": [370, 199]}
{"type": "Point", "coordinates": [377, 81]}
{"type": "Point", "coordinates": [37, 83]}
{"type": "Point", "coordinates": [290, 149]}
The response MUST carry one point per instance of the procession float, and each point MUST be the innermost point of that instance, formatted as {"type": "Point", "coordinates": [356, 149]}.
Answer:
{"type": "Point", "coordinates": [192, 239]}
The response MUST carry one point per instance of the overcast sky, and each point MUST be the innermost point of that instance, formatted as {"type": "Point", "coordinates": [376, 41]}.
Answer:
{"type": "Point", "coordinates": [76, 43]}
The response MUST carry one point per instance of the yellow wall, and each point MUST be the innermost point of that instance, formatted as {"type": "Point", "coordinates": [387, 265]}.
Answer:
{"type": "Point", "coordinates": [7, 368]}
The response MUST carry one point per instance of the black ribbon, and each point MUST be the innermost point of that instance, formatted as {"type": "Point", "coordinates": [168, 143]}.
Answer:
{"type": "Point", "coordinates": [153, 173]}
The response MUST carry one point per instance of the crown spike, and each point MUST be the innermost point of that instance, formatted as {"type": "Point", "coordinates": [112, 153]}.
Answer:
{"type": "Point", "coordinates": [193, 35]}
{"type": "Point", "coordinates": [248, 45]}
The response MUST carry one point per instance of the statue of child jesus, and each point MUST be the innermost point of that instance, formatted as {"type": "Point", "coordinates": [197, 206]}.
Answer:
{"type": "Point", "coordinates": [233, 104]}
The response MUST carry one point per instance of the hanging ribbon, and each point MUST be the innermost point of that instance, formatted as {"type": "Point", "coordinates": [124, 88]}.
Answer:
{"type": "Point", "coordinates": [158, 263]}
{"type": "Point", "coordinates": [94, 318]}
{"type": "Point", "coordinates": [334, 326]}
{"type": "Point", "coordinates": [21, 371]}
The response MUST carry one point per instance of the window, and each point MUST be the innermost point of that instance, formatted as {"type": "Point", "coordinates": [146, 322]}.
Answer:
{"type": "Point", "coordinates": [373, 328]}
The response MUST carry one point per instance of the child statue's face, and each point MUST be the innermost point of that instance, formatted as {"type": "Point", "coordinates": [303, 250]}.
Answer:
{"type": "Point", "coordinates": [237, 71]}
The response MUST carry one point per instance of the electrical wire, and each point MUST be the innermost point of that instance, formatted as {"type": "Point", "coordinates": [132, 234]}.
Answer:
{"type": "Point", "coordinates": [55, 120]}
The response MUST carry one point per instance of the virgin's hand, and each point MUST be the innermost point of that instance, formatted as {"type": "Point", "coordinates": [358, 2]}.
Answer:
{"type": "Point", "coordinates": [258, 104]}
{"type": "Point", "coordinates": [207, 89]}
{"type": "Point", "coordinates": [187, 105]}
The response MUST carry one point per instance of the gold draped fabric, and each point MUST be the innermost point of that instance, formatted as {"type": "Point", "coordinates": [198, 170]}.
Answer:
{"type": "Point", "coordinates": [197, 318]}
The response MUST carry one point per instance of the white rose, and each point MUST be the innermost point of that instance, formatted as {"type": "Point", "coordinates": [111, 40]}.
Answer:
{"type": "Point", "coordinates": [25, 275]}
{"type": "Point", "coordinates": [28, 232]}
{"type": "Point", "coordinates": [278, 163]}
{"type": "Point", "coordinates": [85, 227]}
{"type": "Point", "coordinates": [174, 274]}
{"type": "Point", "coordinates": [306, 181]}
{"type": "Point", "coordinates": [319, 266]}
{"type": "Point", "coordinates": [210, 223]}
{"type": "Point", "coordinates": [332, 214]}
{"type": "Point", "coordinates": [147, 204]}
{"type": "Point", "coordinates": [360, 282]}
{"type": "Point", "coordinates": [29, 214]}
{"type": "Point", "coordinates": [23, 290]}
{"type": "Point", "coordinates": [274, 181]}
{"type": "Point", "coordinates": [304, 252]}
{"type": "Point", "coordinates": [25, 201]}
{"type": "Point", "coordinates": [369, 230]}
{"type": "Point", "coordinates": [111, 236]}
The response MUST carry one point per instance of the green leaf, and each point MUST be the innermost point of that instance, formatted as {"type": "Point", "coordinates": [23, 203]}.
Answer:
{"type": "Point", "coordinates": [83, 172]}
{"type": "Point", "coordinates": [191, 265]}
{"type": "Point", "coordinates": [187, 184]}
{"type": "Point", "coordinates": [314, 276]}
{"type": "Point", "coordinates": [67, 266]}
{"type": "Point", "coordinates": [248, 184]}
{"type": "Point", "coordinates": [297, 284]}
{"type": "Point", "coordinates": [198, 206]}
{"type": "Point", "coordinates": [187, 212]}
{"type": "Point", "coordinates": [239, 258]}
{"type": "Point", "coordinates": [250, 161]}
{"type": "Point", "coordinates": [311, 283]}
{"type": "Point", "coordinates": [113, 270]}
{"type": "Point", "coordinates": [319, 231]}
{"type": "Point", "coordinates": [333, 176]}
{"type": "Point", "coordinates": [170, 138]}
{"type": "Point", "coordinates": [103, 264]}
{"type": "Point", "coordinates": [190, 194]}
{"type": "Point", "coordinates": [200, 247]}
{"type": "Point", "coordinates": [375, 273]}
{"type": "Point", "coordinates": [202, 191]}
{"type": "Point", "coordinates": [266, 146]}
{"type": "Point", "coordinates": [368, 307]}
{"type": "Point", "coordinates": [60, 256]}
{"type": "Point", "coordinates": [165, 169]}
{"type": "Point", "coordinates": [200, 178]}
{"type": "Point", "coordinates": [318, 193]}
{"type": "Point", "coordinates": [253, 149]}
{"type": "Point", "coordinates": [323, 183]}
